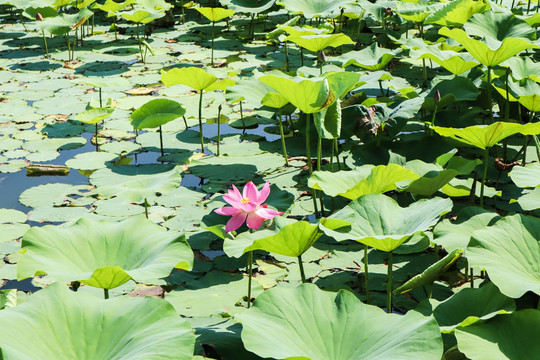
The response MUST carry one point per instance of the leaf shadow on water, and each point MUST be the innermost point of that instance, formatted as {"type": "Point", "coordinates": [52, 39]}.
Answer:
{"type": "Point", "coordinates": [105, 68]}
{"type": "Point", "coordinates": [39, 66]}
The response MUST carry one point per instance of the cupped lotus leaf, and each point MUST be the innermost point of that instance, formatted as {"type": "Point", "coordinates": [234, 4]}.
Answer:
{"type": "Point", "coordinates": [523, 67]}
{"type": "Point", "coordinates": [287, 239]}
{"type": "Point", "coordinates": [104, 254]}
{"type": "Point", "coordinates": [328, 121]}
{"type": "Point", "coordinates": [251, 90]}
{"type": "Point", "coordinates": [509, 250]}
{"type": "Point", "coordinates": [499, 26]}
{"type": "Point", "coordinates": [456, 13]}
{"type": "Point", "coordinates": [530, 200]}
{"type": "Point", "coordinates": [276, 33]}
{"type": "Point", "coordinates": [452, 90]}
{"type": "Point", "coordinates": [456, 235]}
{"type": "Point", "coordinates": [314, 8]}
{"type": "Point", "coordinates": [215, 14]}
{"type": "Point", "coordinates": [533, 20]}
{"type": "Point", "coordinates": [415, 12]}
{"type": "Point", "coordinates": [274, 100]}
{"type": "Point", "coordinates": [154, 4]}
{"type": "Point", "coordinates": [194, 77]}
{"type": "Point", "coordinates": [290, 319]}
{"type": "Point", "coordinates": [378, 221]}
{"type": "Point", "coordinates": [485, 136]}
{"type": "Point", "coordinates": [156, 113]}
{"type": "Point", "coordinates": [303, 30]}
{"type": "Point", "coordinates": [308, 95]}
{"type": "Point", "coordinates": [371, 58]}
{"type": "Point", "coordinates": [488, 55]}
{"type": "Point", "coordinates": [248, 6]}
{"type": "Point", "coordinates": [64, 23]}
{"type": "Point", "coordinates": [455, 62]}
{"type": "Point", "coordinates": [341, 83]}
{"type": "Point", "coordinates": [94, 115]}
{"type": "Point", "coordinates": [431, 274]}
{"type": "Point", "coordinates": [141, 16]}
{"type": "Point", "coordinates": [69, 317]}
{"type": "Point", "coordinates": [526, 176]}
{"type": "Point", "coordinates": [110, 6]}
{"type": "Point", "coordinates": [469, 306]}
{"type": "Point", "coordinates": [526, 92]}
{"type": "Point", "coordinates": [221, 85]}
{"type": "Point", "coordinates": [136, 182]}
{"type": "Point", "coordinates": [433, 176]}
{"type": "Point", "coordinates": [361, 181]}
{"type": "Point", "coordinates": [318, 43]}
{"type": "Point", "coordinates": [505, 337]}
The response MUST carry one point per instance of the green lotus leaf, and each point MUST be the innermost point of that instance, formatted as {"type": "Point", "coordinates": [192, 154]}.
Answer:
{"type": "Point", "coordinates": [104, 254]}
{"type": "Point", "coordinates": [94, 115]}
{"type": "Point", "coordinates": [64, 23]}
{"type": "Point", "coordinates": [248, 6]}
{"type": "Point", "coordinates": [194, 77]}
{"type": "Point", "coordinates": [341, 83]}
{"type": "Point", "coordinates": [154, 4]}
{"type": "Point", "coordinates": [68, 317]}
{"type": "Point", "coordinates": [221, 85]}
{"type": "Point", "coordinates": [276, 33]}
{"type": "Point", "coordinates": [526, 92]}
{"type": "Point", "coordinates": [303, 30]}
{"type": "Point", "coordinates": [141, 16]}
{"type": "Point", "coordinates": [105, 82]}
{"type": "Point", "coordinates": [371, 58]}
{"type": "Point", "coordinates": [523, 67]}
{"type": "Point", "coordinates": [314, 8]}
{"type": "Point", "coordinates": [156, 113]}
{"type": "Point", "coordinates": [505, 337]}
{"type": "Point", "coordinates": [249, 90]}
{"type": "Point", "coordinates": [328, 121]}
{"type": "Point", "coordinates": [289, 317]}
{"type": "Point", "coordinates": [215, 293]}
{"type": "Point", "coordinates": [287, 239]}
{"type": "Point", "coordinates": [530, 201]}
{"type": "Point", "coordinates": [469, 306]}
{"type": "Point", "coordinates": [456, 235]}
{"type": "Point", "coordinates": [308, 95]}
{"type": "Point", "coordinates": [499, 26]}
{"type": "Point", "coordinates": [215, 14]}
{"type": "Point", "coordinates": [509, 250]}
{"type": "Point", "coordinates": [378, 221]}
{"type": "Point", "coordinates": [91, 160]}
{"type": "Point", "coordinates": [434, 177]}
{"type": "Point", "coordinates": [111, 6]}
{"type": "Point", "coordinates": [456, 13]}
{"type": "Point", "coordinates": [318, 43]}
{"type": "Point", "coordinates": [53, 194]}
{"type": "Point", "coordinates": [457, 88]}
{"type": "Point", "coordinates": [274, 100]}
{"type": "Point", "coordinates": [455, 62]}
{"type": "Point", "coordinates": [485, 136]}
{"type": "Point", "coordinates": [8, 216]}
{"type": "Point", "coordinates": [415, 12]}
{"type": "Point", "coordinates": [526, 176]}
{"type": "Point", "coordinates": [361, 181]}
{"type": "Point", "coordinates": [136, 182]}
{"type": "Point", "coordinates": [431, 274]}
{"type": "Point", "coordinates": [488, 55]}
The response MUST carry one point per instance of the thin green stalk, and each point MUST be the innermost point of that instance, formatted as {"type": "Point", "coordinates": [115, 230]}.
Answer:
{"type": "Point", "coordinates": [526, 144]}
{"type": "Point", "coordinates": [115, 31]}
{"type": "Point", "coordinates": [100, 98]}
{"type": "Point", "coordinates": [381, 88]}
{"type": "Point", "coordinates": [484, 173]}
{"type": "Point", "coordinates": [287, 56]}
{"type": "Point", "coordinates": [302, 55]}
{"type": "Point", "coordinates": [472, 278]}
{"type": "Point", "coordinates": [301, 265]}
{"type": "Point", "coordinates": [337, 153]}
{"type": "Point", "coordinates": [250, 274]}
{"type": "Point", "coordinates": [96, 137]}
{"type": "Point", "coordinates": [200, 122]}
{"type": "Point", "coordinates": [45, 41]}
{"type": "Point", "coordinates": [366, 274]}
{"type": "Point", "coordinates": [319, 152]}
{"type": "Point", "coordinates": [389, 285]}
{"type": "Point", "coordinates": [161, 140]}
{"type": "Point", "coordinates": [218, 128]}
{"type": "Point", "coordinates": [146, 208]}
{"type": "Point", "coordinates": [283, 146]}
{"type": "Point", "coordinates": [332, 158]}
{"type": "Point", "coordinates": [106, 293]}
{"type": "Point", "coordinates": [489, 94]}
{"type": "Point", "coordinates": [139, 42]}
{"type": "Point", "coordinates": [242, 118]}
{"type": "Point", "coordinates": [308, 155]}
{"type": "Point", "coordinates": [185, 122]}
{"type": "Point", "coordinates": [212, 61]}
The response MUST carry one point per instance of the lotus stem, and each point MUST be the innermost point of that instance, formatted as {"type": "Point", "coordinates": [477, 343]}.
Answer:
{"type": "Point", "coordinates": [185, 122]}
{"type": "Point", "coordinates": [381, 88]}
{"type": "Point", "coordinates": [287, 56]}
{"type": "Point", "coordinates": [389, 285]}
{"type": "Point", "coordinates": [252, 27]}
{"type": "Point", "coordinates": [283, 146]}
{"type": "Point", "coordinates": [115, 32]}
{"type": "Point", "coordinates": [337, 153]}
{"type": "Point", "coordinates": [218, 128]}
{"type": "Point", "coordinates": [366, 274]}
{"type": "Point", "coordinates": [139, 43]}
{"type": "Point", "coordinates": [212, 61]}
{"type": "Point", "coordinates": [308, 155]}
{"type": "Point", "coordinates": [472, 278]}
{"type": "Point", "coordinates": [45, 41]}
{"type": "Point", "coordinates": [489, 94]}
{"type": "Point", "coordinates": [301, 266]}
{"type": "Point", "coordinates": [302, 55]}
{"type": "Point", "coordinates": [96, 138]}
{"type": "Point", "coordinates": [161, 140]}
{"type": "Point", "coordinates": [69, 46]}
{"type": "Point", "coordinates": [200, 122]}
{"type": "Point", "coordinates": [250, 274]}
{"type": "Point", "coordinates": [319, 155]}
{"type": "Point", "coordinates": [146, 207]}
{"type": "Point", "coordinates": [242, 118]}
{"type": "Point", "coordinates": [106, 293]}
{"type": "Point", "coordinates": [332, 157]}
{"type": "Point", "coordinates": [525, 145]}
{"type": "Point", "coordinates": [484, 173]}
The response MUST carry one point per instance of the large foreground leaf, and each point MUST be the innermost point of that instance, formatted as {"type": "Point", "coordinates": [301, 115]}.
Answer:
{"type": "Point", "coordinates": [510, 252]}
{"type": "Point", "coordinates": [104, 254]}
{"type": "Point", "coordinates": [305, 322]}
{"type": "Point", "coordinates": [378, 221]}
{"type": "Point", "coordinates": [506, 337]}
{"type": "Point", "coordinates": [56, 323]}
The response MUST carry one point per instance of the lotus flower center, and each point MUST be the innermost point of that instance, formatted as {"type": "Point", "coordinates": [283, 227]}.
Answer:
{"type": "Point", "coordinates": [244, 201]}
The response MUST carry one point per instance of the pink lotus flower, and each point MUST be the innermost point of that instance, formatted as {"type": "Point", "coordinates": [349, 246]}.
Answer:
{"type": "Point", "coordinates": [248, 205]}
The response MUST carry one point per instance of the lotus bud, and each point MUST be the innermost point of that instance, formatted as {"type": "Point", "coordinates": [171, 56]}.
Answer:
{"type": "Point", "coordinates": [39, 17]}
{"type": "Point", "coordinates": [437, 96]}
{"type": "Point", "coordinates": [388, 12]}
